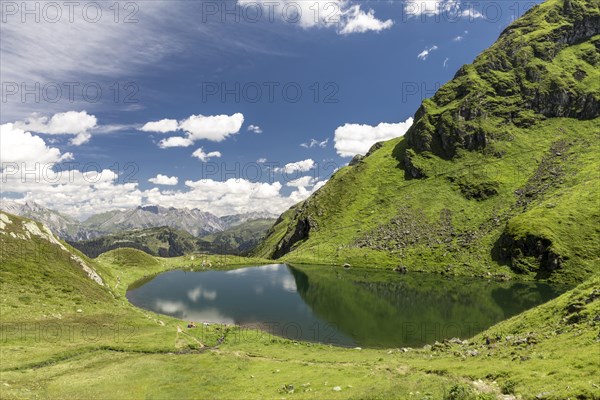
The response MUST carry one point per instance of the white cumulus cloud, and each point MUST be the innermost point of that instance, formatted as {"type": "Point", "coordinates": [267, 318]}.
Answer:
{"type": "Point", "coordinates": [19, 146]}
{"type": "Point", "coordinates": [162, 126]}
{"type": "Point", "coordinates": [460, 38]}
{"type": "Point", "coordinates": [175, 141]}
{"type": "Point", "coordinates": [352, 139]}
{"type": "Point", "coordinates": [82, 194]}
{"type": "Point", "coordinates": [77, 123]}
{"type": "Point", "coordinates": [298, 166]}
{"type": "Point", "coordinates": [357, 20]}
{"type": "Point", "coordinates": [345, 16]}
{"type": "Point", "coordinates": [161, 179]}
{"type": "Point", "coordinates": [215, 128]}
{"type": "Point", "coordinates": [232, 196]}
{"type": "Point", "coordinates": [73, 192]}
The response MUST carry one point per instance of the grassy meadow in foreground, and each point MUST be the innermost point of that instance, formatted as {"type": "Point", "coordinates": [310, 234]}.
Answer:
{"type": "Point", "coordinates": [102, 347]}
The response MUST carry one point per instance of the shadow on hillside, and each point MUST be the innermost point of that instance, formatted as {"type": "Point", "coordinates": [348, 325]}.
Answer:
{"type": "Point", "coordinates": [399, 153]}
{"type": "Point", "coordinates": [502, 254]}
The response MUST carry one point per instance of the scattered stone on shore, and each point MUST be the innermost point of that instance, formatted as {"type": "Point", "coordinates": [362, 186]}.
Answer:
{"type": "Point", "coordinates": [287, 388]}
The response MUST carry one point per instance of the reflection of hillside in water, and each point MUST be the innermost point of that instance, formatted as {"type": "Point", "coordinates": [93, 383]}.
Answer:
{"type": "Point", "coordinates": [343, 307]}
{"type": "Point", "coordinates": [383, 309]}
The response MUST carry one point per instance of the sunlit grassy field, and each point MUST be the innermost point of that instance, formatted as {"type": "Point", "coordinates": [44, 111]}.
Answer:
{"type": "Point", "coordinates": [100, 346]}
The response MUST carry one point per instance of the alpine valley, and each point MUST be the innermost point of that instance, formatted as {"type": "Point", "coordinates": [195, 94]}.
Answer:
{"type": "Point", "coordinates": [487, 210]}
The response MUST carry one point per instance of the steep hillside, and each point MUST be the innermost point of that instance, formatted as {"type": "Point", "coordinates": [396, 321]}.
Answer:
{"type": "Point", "coordinates": [498, 174]}
{"type": "Point", "coordinates": [162, 242]}
{"type": "Point", "coordinates": [42, 274]}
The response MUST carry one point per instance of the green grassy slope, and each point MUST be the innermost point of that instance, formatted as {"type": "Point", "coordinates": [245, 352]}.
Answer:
{"type": "Point", "coordinates": [73, 338]}
{"type": "Point", "coordinates": [499, 173]}
{"type": "Point", "coordinates": [41, 274]}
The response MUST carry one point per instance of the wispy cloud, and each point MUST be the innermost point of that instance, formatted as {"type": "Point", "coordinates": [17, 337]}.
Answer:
{"type": "Point", "coordinates": [202, 156]}
{"type": "Point", "coordinates": [106, 52]}
{"type": "Point", "coordinates": [82, 51]}
{"type": "Point", "coordinates": [255, 129]}
{"type": "Point", "coordinates": [425, 53]}
{"type": "Point", "coordinates": [315, 143]}
{"type": "Point", "coordinates": [460, 38]}
{"type": "Point", "coordinates": [418, 8]}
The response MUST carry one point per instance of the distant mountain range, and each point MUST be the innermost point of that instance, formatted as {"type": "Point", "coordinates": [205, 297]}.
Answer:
{"type": "Point", "coordinates": [195, 222]}
{"type": "Point", "coordinates": [163, 242]}
{"type": "Point", "coordinates": [61, 225]}
{"type": "Point", "coordinates": [170, 242]}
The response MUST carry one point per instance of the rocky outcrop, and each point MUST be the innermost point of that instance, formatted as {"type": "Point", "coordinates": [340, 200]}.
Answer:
{"type": "Point", "coordinates": [374, 148]}
{"type": "Point", "coordinates": [511, 83]}
{"type": "Point", "coordinates": [584, 26]}
{"type": "Point", "coordinates": [410, 167]}
{"type": "Point", "coordinates": [560, 102]}
{"type": "Point", "coordinates": [299, 233]}
{"type": "Point", "coordinates": [357, 159]}
{"type": "Point", "coordinates": [529, 253]}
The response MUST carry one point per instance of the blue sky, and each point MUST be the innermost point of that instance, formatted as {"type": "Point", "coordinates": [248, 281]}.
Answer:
{"type": "Point", "coordinates": [370, 65]}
